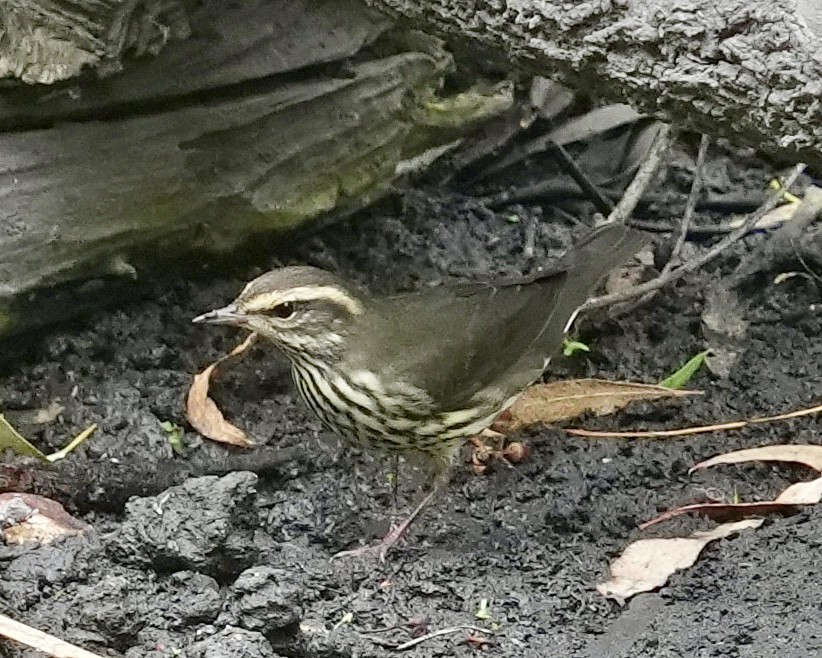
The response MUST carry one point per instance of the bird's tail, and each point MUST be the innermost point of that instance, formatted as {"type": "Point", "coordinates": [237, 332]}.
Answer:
{"type": "Point", "coordinates": [588, 261]}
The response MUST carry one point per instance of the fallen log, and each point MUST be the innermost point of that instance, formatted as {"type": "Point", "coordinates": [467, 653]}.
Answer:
{"type": "Point", "coordinates": [269, 115]}
{"type": "Point", "coordinates": [749, 70]}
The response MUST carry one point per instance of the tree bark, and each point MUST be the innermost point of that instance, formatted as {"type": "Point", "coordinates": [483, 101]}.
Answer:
{"type": "Point", "coordinates": [750, 70]}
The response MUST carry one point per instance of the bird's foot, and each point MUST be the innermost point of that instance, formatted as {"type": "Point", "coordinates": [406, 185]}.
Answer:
{"type": "Point", "coordinates": [378, 550]}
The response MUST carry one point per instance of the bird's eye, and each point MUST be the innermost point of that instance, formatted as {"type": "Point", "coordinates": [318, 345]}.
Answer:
{"type": "Point", "coordinates": [283, 311]}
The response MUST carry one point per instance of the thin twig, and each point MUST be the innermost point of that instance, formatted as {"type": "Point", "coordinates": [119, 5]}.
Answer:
{"type": "Point", "coordinates": [696, 263]}
{"type": "Point", "coordinates": [529, 235]}
{"type": "Point", "coordinates": [569, 166]}
{"type": "Point", "coordinates": [698, 429]}
{"type": "Point", "coordinates": [627, 204]}
{"type": "Point", "coordinates": [557, 191]}
{"type": "Point", "coordinates": [443, 631]}
{"type": "Point", "coordinates": [690, 206]}
{"type": "Point", "coordinates": [722, 228]}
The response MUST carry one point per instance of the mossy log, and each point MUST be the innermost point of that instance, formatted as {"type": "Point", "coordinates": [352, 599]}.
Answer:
{"type": "Point", "coordinates": [267, 115]}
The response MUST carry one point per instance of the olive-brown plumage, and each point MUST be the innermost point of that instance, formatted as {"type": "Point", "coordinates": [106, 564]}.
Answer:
{"type": "Point", "coordinates": [419, 373]}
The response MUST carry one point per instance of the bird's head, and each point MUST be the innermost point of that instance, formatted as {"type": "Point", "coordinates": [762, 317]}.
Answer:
{"type": "Point", "coordinates": [304, 310]}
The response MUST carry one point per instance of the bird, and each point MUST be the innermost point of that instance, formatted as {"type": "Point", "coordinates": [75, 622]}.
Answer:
{"type": "Point", "coordinates": [418, 373]}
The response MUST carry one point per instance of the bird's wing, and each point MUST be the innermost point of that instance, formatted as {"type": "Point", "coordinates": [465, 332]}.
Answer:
{"type": "Point", "coordinates": [456, 341]}
{"type": "Point", "coordinates": [491, 340]}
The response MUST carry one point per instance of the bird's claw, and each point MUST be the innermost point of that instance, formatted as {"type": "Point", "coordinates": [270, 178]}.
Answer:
{"type": "Point", "coordinates": [381, 548]}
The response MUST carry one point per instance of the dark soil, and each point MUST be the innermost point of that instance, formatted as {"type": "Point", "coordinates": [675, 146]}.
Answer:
{"type": "Point", "coordinates": [231, 563]}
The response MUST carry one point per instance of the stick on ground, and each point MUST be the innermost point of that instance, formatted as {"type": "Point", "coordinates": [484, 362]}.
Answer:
{"type": "Point", "coordinates": [48, 644]}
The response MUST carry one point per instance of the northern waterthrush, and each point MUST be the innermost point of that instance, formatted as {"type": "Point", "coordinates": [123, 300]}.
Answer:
{"type": "Point", "coordinates": [419, 373]}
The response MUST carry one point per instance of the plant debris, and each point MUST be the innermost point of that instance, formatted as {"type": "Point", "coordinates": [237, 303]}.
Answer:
{"type": "Point", "coordinates": [202, 412]}
{"type": "Point", "coordinates": [563, 400]}
{"type": "Point", "coordinates": [647, 564]}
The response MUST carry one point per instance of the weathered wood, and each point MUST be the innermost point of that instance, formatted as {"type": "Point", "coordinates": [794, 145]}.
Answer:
{"type": "Point", "coordinates": [44, 41]}
{"type": "Point", "coordinates": [227, 44]}
{"type": "Point", "coordinates": [746, 69]}
{"type": "Point", "coordinates": [215, 141]}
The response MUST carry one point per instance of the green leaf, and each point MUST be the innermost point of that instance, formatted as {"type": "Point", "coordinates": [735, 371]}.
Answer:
{"type": "Point", "coordinates": [684, 374]}
{"type": "Point", "coordinates": [571, 347]}
{"type": "Point", "coordinates": [175, 436]}
{"type": "Point", "coordinates": [11, 439]}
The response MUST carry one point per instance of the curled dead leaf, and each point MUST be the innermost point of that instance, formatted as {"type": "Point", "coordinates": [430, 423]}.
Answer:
{"type": "Point", "coordinates": [202, 412]}
{"type": "Point", "coordinates": [515, 452]}
{"type": "Point", "coordinates": [722, 512]}
{"type": "Point", "coordinates": [788, 502]}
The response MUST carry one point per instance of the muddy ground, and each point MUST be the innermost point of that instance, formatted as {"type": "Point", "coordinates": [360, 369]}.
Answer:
{"type": "Point", "coordinates": [236, 564]}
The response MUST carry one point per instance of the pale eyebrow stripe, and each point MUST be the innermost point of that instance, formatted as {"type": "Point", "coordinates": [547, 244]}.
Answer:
{"type": "Point", "coordinates": [304, 294]}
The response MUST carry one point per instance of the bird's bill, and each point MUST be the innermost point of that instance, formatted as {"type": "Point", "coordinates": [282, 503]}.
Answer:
{"type": "Point", "coordinates": [227, 315]}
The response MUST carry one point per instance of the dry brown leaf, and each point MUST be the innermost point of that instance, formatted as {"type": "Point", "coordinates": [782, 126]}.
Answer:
{"type": "Point", "coordinates": [648, 563]}
{"type": "Point", "coordinates": [722, 512]}
{"type": "Point", "coordinates": [563, 400]}
{"type": "Point", "coordinates": [788, 502]}
{"type": "Point", "coordinates": [809, 455]}
{"type": "Point", "coordinates": [202, 412]}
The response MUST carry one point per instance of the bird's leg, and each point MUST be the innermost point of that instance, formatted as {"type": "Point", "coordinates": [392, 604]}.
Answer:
{"type": "Point", "coordinates": [381, 548]}
{"type": "Point", "coordinates": [395, 479]}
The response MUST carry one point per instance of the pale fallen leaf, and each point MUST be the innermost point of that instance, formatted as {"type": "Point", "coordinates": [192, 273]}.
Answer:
{"type": "Point", "coordinates": [49, 414]}
{"type": "Point", "coordinates": [549, 98]}
{"type": "Point", "coordinates": [809, 455]}
{"type": "Point", "coordinates": [563, 400]}
{"type": "Point", "coordinates": [202, 412]}
{"type": "Point", "coordinates": [42, 416]}
{"type": "Point", "coordinates": [785, 212]}
{"type": "Point", "coordinates": [26, 517]}
{"type": "Point", "coordinates": [802, 493]}
{"type": "Point", "coordinates": [648, 563]}
{"type": "Point", "coordinates": [775, 217]}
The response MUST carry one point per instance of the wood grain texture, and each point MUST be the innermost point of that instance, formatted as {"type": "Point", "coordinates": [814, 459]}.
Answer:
{"type": "Point", "coordinates": [261, 121]}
